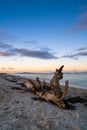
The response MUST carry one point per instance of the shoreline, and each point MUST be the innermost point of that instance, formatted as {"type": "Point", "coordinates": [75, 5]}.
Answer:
{"type": "Point", "coordinates": [25, 78]}
{"type": "Point", "coordinates": [72, 83]}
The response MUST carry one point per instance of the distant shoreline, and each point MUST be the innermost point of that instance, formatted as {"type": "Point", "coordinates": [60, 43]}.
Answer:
{"type": "Point", "coordinates": [75, 80]}
{"type": "Point", "coordinates": [50, 72]}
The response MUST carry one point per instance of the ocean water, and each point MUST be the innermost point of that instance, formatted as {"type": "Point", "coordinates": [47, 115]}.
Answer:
{"type": "Point", "coordinates": [77, 80]}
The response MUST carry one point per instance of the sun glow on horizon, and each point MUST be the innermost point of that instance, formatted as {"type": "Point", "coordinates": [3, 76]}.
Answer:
{"type": "Point", "coordinates": [41, 69]}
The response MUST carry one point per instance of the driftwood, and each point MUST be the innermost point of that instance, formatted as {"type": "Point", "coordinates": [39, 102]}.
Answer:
{"type": "Point", "coordinates": [50, 92]}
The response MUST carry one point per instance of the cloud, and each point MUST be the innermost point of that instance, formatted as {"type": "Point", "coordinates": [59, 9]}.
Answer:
{"type": "Point", "coordinates": [81, 54]}
{"type": "Point", "coordinates": [83, 15]}
{"type": "Point", "coordinates": [41, 53]}
{"type": "Point", "coordinates": [3, 68]}
{"type": "Point", "coordinates": [82, 25]}
{"type": "Point", "coordinates": [31, 42]}
{"type": "Point", "coordinates": [81, 49]}
{"type": "Point", "coordinates": [71, 56]}
{"type": "Point", "coordinates": [44, 54]}
{"type": "Point", "coordinates": [82, 22]}
{"type": "Point", "coordinates": [6, 36]}
{"type": "Point", "coordinates": [82, 7]}
{"type": "Point", "coordinates": [4, 45]}
{"type": "Point", "coordinates": [45, 49]}
{"type": "Point", "coordinates": [77, 54]}
{"type": "Point", "coordinates": [5, 54]}
{"type": "Point", "coordinates": [10, 68]}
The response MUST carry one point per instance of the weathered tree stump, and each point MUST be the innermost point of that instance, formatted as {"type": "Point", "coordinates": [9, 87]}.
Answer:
{"type": "Point", "coordinates": [51, 91]}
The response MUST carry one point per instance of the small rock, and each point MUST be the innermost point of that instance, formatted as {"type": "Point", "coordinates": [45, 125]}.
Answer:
{"type": "Point", "coordinates": [17, 101]}
{"type": "Point", "coordinates": [44, 124]}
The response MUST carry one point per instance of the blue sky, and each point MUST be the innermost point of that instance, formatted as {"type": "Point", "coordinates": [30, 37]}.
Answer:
{"type": "Point", "coordinates": [41, 35]}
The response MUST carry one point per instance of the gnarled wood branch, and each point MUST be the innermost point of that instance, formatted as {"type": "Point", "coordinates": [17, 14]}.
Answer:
{"type": "Point", "coordinates": [54, 94]}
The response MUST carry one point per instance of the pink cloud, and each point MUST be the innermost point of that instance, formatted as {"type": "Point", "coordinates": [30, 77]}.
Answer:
{"type": "Point", "coordinates": [5, 54]}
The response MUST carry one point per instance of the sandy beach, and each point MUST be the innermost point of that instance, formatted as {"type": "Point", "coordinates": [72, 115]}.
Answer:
{"type": "Point", "coordinates": [18, 111]}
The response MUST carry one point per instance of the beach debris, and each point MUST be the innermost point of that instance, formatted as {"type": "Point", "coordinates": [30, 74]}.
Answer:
{"type": "Point", "coordinates": [50, 91]}
{"type": "Point", "coordinates": [77, 99]}
{"type": "Point", "coordinates": [17, 101]}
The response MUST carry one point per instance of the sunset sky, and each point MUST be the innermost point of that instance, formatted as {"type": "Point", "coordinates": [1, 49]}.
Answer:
{"type": "Point", "coordinates": [41, 35]}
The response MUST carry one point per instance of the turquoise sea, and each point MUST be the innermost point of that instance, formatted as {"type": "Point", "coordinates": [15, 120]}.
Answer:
{"type": "Point", "coordinates": [78, 80]}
